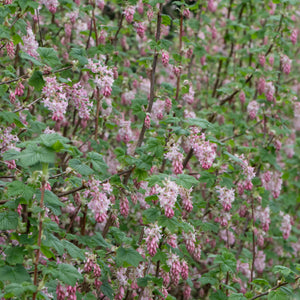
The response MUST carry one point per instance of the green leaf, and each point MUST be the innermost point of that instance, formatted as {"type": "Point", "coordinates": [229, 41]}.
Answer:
{"type": "Point", "coordinates": [166, 20]}
{"type": "Point", "coordinates": [233, 157]}
{"type": "Point", "coordinates": [208, 178]}
{"type": "Point", "coordinates": [143, 282]}
{"type": "Point", "coordinates": [277, 295]}
{"type": "Point", "coordinates": [97, 162]}
{"type": "Point", "coordinates": [34, 154]}
{"type": "Point", "coordinates": [107, 290]}
{"type": "Point", "coordinates": [37, 80]}
{"type": "Point", "coordinates": [68, 274]}
{"type": "Point", "coordinates": [32, 59]}
{"type": "Point", "coordinates": [172, 224]}
{"type": "Point", "coordinates": [4, 32]}
{"type": "Point", "coordinates": [186, 181]}
{"type": "Point", "coordinates": [9, 220]}
{"type": "Point", "coordinates": [16, 274]}
{"type": "Point", "coordinates": [15, 289]}
{"type": "Point", "coordinates": [53, 242]}
{"type": "Point", "coordinates": [128, 256]}
{"type": "Point", "coordinates": [49, 56]}
{"type": "Point", "coordinates": [14, 255]}
{"type": "Point", "coordinates": [208, 280]}
{"type": "Point", "coordinates": [18, 188]}
{"type": "Point", "coordinates": [287, 273]}
{"type": "Point", "coordinates": [80, 167]}
{"type": "Point", "coordinates": [51, 201]}
{"type": "Point", "coordinates": [202, 123]}
{"type": "Point", "coordinates": [237, 296]}
{"type": "Point", "coordinates": [80, 55]}
{"type": "Point", "coordinates": [73, 250]}
{"type": "Point", "coordinates": [151, 215]}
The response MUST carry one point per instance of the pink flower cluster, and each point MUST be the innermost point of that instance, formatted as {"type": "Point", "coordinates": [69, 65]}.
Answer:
{"type": "Point", "coordinates": [167, 197]}
{"type": "Point", "coordinates": [81, 100]}
{"type": "Point", "coordinates": [186, 197]}
{"type": "Point", "coordinates": [297, 116]}
{"type": "Point", "coordinates": [66, 292]}
{"type": "Point", "coordinates": [153, 236]}
{"type": "Point", "coordinates": [100, 202]}
{"type": "Point", "coordinates": [272, 182]}
{"type": "Point", "coordinates": [174, 263]}
{"type": "Point", "coordinates": [260, 261]}
{"type": "Point", "coordinates": [176, 157]}
{"type": "Point", "coordinates": [104, 77]}
{"type": "Point", "coordinates": [129, 12]}
{"type": "Point", "coordinates": [190, 241]}
{"type": "Point", "coordinates": [203, 150]}
{"type": "Point", "coordinates": [286, 226]}
{"type": "Point", "coordinates": [51, 5]}
{"type": "Point", "coordinates": [125, 132]}
{"type": "Point", "coordinates": [248, 175]}
{"type": "Point", "coordinates": [56, 98]}
{"type": "Point", "coordinates": [269, 91]}
{"type": "Point", "coordinates": [252, 109]}
{"type": "Point", "coordinates": [294, 36]}
{"type": "Point", "coordinates": [30, 45]}
{"type": "Point", "coordinates": [165, 58]}
{"type": "Point", "coordinates": [286, 64]}
{"type": "Point", "coordinates": [226, 197]}
{"type": "Point", "coordinates": [189, 97]}
{"type": "Point", "coordinates": [10, 50]}
{"type": "Point", "coordinates": [263, 214]}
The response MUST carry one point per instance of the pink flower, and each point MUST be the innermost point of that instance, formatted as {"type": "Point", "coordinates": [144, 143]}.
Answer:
{"type": "Point", "coordinates": [294, 36]}
{"type": "Point", "coordinates": [203, 150]}
{"type": "Point", "coordinates": [176, 157]}
{"type": "Point", "coordinates": [270, 90]}
{"type": "Point", "coordinates": [285, 225]}
{"type": "Point", "coordinates": [242, 97]}
{"type": "Point", "coordinates": [261, 85]}
{"type": "Point", "coordinates": [212, 6]}
{"type": "Point", "coordinates": [262, 59]}
{"type": "Point", "coordinates": [147, 121]}
{"type": "Point", "coordinates": [168, 196]}
{"type": "Point", "coordinates": [175, 265]}
{"type": "Point", "coordinates": [186, 199]}
{"type": "Point", "coordinates": [260, 261]}
{"type": "Point", "coordinates": [140, 29]}
{"type": "Point", "coordinates": [124, 206]}
{"type": "Point", "coordinates": [153, 236]}
{"type": "Point", "coordinates": [226, 197]}
{"type": "Point", "coordinates": [165, 58]}
{"type": "Point", "coordinates": [286, 64]}
{"type": "Point", "coordinates": [189, 240]}
{"type": "Point", "coordinates": [10, 50]}
{"type": "Point", "coordinates": [129, 12]}
{"type": "Point", "coordinates": [184, 270]}
{"type": "Point", "coordinates": [252, 109]}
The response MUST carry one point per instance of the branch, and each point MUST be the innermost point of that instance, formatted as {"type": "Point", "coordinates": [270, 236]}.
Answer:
{"type": "Point", "coordinates": [273, 289]}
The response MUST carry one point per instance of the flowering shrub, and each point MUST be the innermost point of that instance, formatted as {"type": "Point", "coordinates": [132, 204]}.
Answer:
{"type": "Point", "coordinates": [149, 149]}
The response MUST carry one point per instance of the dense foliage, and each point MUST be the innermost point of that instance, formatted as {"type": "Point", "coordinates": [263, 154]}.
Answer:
{"type": "Point", "coordinates": [149, 149]}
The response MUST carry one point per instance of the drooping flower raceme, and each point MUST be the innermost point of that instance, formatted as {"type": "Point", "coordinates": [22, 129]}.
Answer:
{"type": "Point", "coordinates": [203, 150]}
{"type": "Point", "coordinates": [55, 98]}
{"type": "Point", "coordinates": [153, 236]}
{"type": "Point", "coordinates": [263, 214]}
{"type": "Point", "coordinates": [30, 44]}
{"type": "Point", "coordinates": [104, 77]}
{"type": "Point", "coordinates": [226, 197]}
{"type": "Point", "coordinates": [286, 64]}
{"type": "Point", "coordinates": [273, 184]}
{"type": "Point", "coordinates": [285, 225]}
{"type": "Point", "coordinates": [252, 109]}
{"type": "Point", "coordinates": [175, 265]}
{"type": "Point", "coordinates": [176, 157]}
{"type": "Point", "coordinates": [186, 197]}
{"type": "Point", "coordinates": [167, 197]}
{"type": "Point", "coordinates": [100, 202]}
